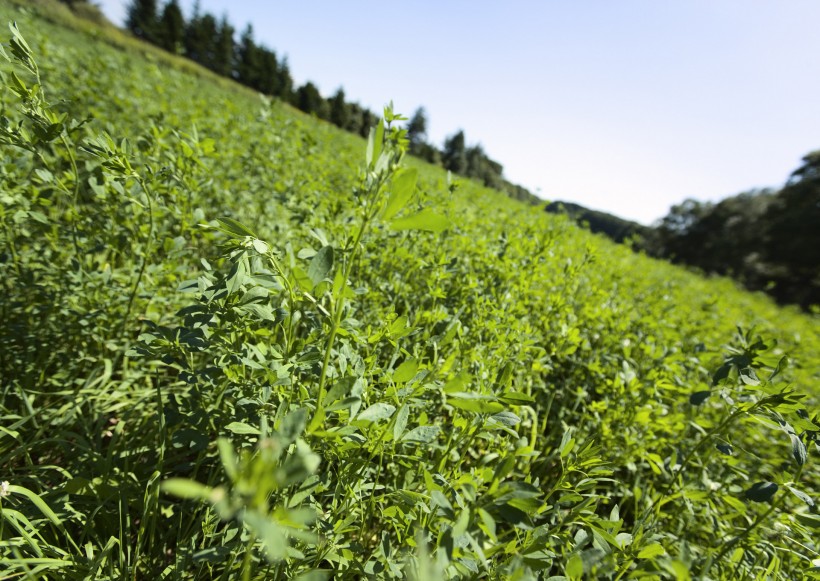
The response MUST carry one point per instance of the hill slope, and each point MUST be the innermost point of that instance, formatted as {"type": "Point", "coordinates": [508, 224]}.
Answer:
{"type": "Point", "coordinates": [358, 370]}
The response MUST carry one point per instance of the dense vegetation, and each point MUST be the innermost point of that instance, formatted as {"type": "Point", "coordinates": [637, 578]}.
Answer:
{"type": "Point", "coordinates": [251, 345]}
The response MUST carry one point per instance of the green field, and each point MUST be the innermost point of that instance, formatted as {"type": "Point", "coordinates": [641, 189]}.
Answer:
{"type": "Point", "coordinates": [239, 343]}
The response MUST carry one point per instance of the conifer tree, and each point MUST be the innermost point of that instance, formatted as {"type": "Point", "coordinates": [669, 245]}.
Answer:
{"type": "Point", "coordinates": [339, 111]}
{"type": "Point", "coordinates": [171, 29]}
{"type": "Point", "coordinates": [454, 155]}
{"type": "Point", "coordinates": [224, 49]}
{"type": "Point", "coordinates": [248, 60]}
{"type": "Point", "coordinates": [141, 19]}
{"type": "Point", "coordinates": [417, 130]}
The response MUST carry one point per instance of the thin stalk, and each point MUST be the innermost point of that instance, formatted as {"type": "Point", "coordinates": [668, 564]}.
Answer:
{"type": "Point", "coordinates": [75, 196]}
{"type": "Point", "coordinates": [760, 518]}
{"type": "Point", "coordinates": [339, 302]}
{"type": "Point", "coordinates": [246, 562]}
{"type": "Point", "coordinates": [144, 264]}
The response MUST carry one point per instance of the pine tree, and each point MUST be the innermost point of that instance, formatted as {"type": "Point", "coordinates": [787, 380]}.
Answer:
{"type": "Point", "coordinates": [417, 130]}
{"type": "Point", "coordinates": [454, 155]}
{"type": "Point", "coordinates": [141, 19]}
{"type": "Point", "coordinates": [339, 111]}
{"type": "Point", "coordinates": [200, 39]}
{"type": "Point", "coordinates": [171, 28]}
{"type": "Point", "coordinates": [224, 49]}
{"type": "Point", "coordinates": [247, 60]}
{"type": "Point", "coordinates": [268, 72]}
{"type": "Point", "coordinates": [284, 81]}
{"type": "Point", "coordinates": [308, 99]}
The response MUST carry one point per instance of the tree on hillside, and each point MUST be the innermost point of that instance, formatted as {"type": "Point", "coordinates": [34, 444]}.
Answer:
{"type": "Point", "coordinates": [454, 155]}
{"type": "Point", "coordinates": [354, 118]}
{"type": "Point", "coordinates": [417, 130]}
{"type": "Point", "coordinates": [284, 80]}
{"type": "Point", "coordinates": [369, 119]}
{"type": "Point", "coordinates": [200, 38]}
{"type": "Point", "coordinates": [339, 111]}
{"type": "Point", "coordinates": [141, 19]}
{"type": "Point", "coordinates": [793, 234]}
{"type": "Point", "coordinates": [309, 100]}
{"type": "Point", "coordinates": [171, 28]}
{"type": "Point", "coordinates": [269, 71]}
{"type": "Point", "coordinates": [224, 49]}
{"type": "Point", "coordinates": [248, 62]}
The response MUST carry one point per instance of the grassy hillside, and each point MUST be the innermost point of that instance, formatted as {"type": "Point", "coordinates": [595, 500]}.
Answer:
{"type": "Point", "coordinates": [240, 343]}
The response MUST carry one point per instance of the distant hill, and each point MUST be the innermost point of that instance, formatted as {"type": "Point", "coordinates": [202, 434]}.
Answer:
{"type": "Point", "coordinates": [599, 222]}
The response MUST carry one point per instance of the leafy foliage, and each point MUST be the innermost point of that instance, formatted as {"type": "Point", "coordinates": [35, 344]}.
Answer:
{"type": "Point", "coordinates": [249, 345]}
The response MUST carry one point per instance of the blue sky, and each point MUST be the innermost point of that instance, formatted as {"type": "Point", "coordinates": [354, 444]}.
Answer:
{"type": "Point", "coordinates": [627, 107]}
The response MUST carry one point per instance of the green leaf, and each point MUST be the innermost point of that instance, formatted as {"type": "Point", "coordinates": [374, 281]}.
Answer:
{"type": "Point", "coordinates": [185, 488]}
{"type": "Point", "coordinates": [317, 421]}
{"type": "Point", "coordinates": [426, 219]}
{"type": "Point", "coordinates": [270, 534]}
{"type": "Point", "coordinates": [761, 491]}
{"type": "Point", "coordinates": [315, 575]}
{"type": "Point", "coordinates": [228, 457]}
{"type": "Point", "coordinates": [781, 365]}
{"type": "Point", "coordinates": [402, 187]}
{"type": "Point", "coordinates": [722, 373]}
{"type": "Point", "coordinates": [680, 570]}
{"type": "Point", "coordinates": [461, 524]}
{"type": "Point", "coordinates": [320, 265]}
{"type": "Point", "coordinates": [423, 434]}
{"type": "Point", "coordinates": [341, 388]}
{"type": "Point", "coordinates": [474, 402]}
{"type": "Point", "coordinates": [230, 226]}
{"type": "Point", "coordinates": [516, 398]}
{"type": "Point", "coordinates": [504, 376]}
{"type": "Point", "coordinates": [801, 495]}
{"type": "Point", "coordinates": [36, 501]}
{"type": "Point", "coordinates": [294, 424]}
{"type": "Point", "coordinates": [798, 450]}
{"type": "Point", "coordinates": [259, 312]}
{"type": "Point", "coordinates": [508, 419]}
{"type": "Point", "coordinates": [488, 521]}
{"type": "Point", "coordinates": [406, 371]}
{"type": "Point", "coordinates": [401, 422]}
{"type": "Point", "coordinates": [376, 412]}
{"type": "Point", "coordinates": [651, 551]}
{"type": "Point", "coordinates": [375, 142]}
{"type": "Point", "coordinates": [567, 444]}
{"type": "Point", "coordinates": [575, 567]}
{"type": "Point", "coordinates": [242, 428]}
{"type": "Point", "coordinates": [810, 521]}
{"type": "Point", "coordinates": [623, 540]}
{"type": "Point", "coordinates": [260, 246]}
{"type": "Point", "coordinates": [344, 403]}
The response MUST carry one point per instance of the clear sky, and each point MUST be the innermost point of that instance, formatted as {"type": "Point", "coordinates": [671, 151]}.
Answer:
{"type": "Point", "coordinates": [625, 106]}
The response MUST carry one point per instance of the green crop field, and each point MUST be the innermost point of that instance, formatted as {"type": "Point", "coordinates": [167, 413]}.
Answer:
{"type": "Point", "coordinates": [239, 343]}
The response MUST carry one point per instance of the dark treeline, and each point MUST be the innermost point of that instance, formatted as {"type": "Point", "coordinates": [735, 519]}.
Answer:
{"type": "Point", "coordinates": [767, 239]}
{"type": "Point", "coordinates": [214, 43]}
{"type": "Point", "coordinates": [616, 228]}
